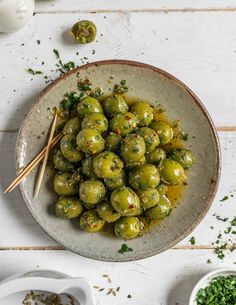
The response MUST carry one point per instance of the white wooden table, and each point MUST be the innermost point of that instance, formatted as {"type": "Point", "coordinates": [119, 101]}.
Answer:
{"type": "Point", "coordinates": [194, 40]}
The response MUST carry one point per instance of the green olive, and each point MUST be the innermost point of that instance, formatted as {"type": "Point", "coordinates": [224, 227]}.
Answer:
{"type": "Point", "coordinates": [125, 201]}
{"type": "Point", "coordinates": [72, 127]}
{"type": "Point", "coordinates": [172, 172]}
{"type": "Point", "coordinates": [61, 163]}
{"type": "Point", "coordinates": [116, 182]}
{"type": "Point", "coordinates": [160, 211]}
{"type": "Point", "coordinates": [88, 105]}
{"type": "Point", "coordinates": [113, 141]}
{"type": "Point", "coordinates": [92, 191]}
{"type": "Point", "coordinates": [143, 112]}
{"type": "Point", "coordinates": [164, 131]}
{"type": "Point", "coordinates": [107, 165]}
{"type": "Point", "coordinates": [162, 189]}
{"type": "Point", "coordinates": [150, 137]}
{"type": "Point", "coordinates": [91, 222]}
{"type": "Point", "coordinates": [69, 148]}
{"type": "Point", "coordinates": [96, 121]}
{"type": "Point", "coordinates": [107, 213]}
{"type": "Point", "coordinates": [133, 164]}
{"type": "Point", "coordinates": [68, 207]}
{"type": "Point", "coordinates": [183, 156]}
{"type": "Point", "coordinates": [128, 227]}
{"type": "Point", "coordinates": [114, 105]}
{"type": "Point", "coordinates": [87, 168]}
{"type": "Point", "coordinates": [133, 148]}
{"type": "Point", "coordinates": [84, 31]}
{"type": "Point", "coordinates": [157, 156]}
{"type": "Point", "coordinates": [148, 198]}
{"type": "Point", "coordinates": [64, 185]}
{"type": "Point", "coordinates": [123, 124]}
{"type": "Point", "coordinates": [144, 177]}
{"type": "Point", "coordinates": [90, 141]}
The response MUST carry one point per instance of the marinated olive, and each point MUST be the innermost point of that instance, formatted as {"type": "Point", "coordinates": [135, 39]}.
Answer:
{"type": "Point", "coordinates": [162, 189]}
{"type": "Point", "coordinates": [148, 198]}
{"type": "Point", "coordinates": [125, 201]}
{"type": "Point", "coordinates": [69, 148]}
{"type": "Point", "coordinates": [91, 222]}
{"type": "Point", "coordinates": [107, 165]}
{"type": "Point", "coordinates": [89, 105]}
{"type": "Point", "coordinates": [72, 127]}
{"type": "Point", "coordinates": [123, 124]}
{"type": "Point", "coordinates": [116, 182]}
{"type": "Point", "coordinates": [172, 172]}
{"type": "Point", "coordinates": [128, 227]}
{"type": "Point", "coordinates": [144, 177]}
{"type": "Point", "coordinates": [133, 148]}
{"type": "Point", "coordinates": [107, 213]}
{"type": "Point", "coordinates": [183, 156]}
{"type": "Point", "coordinates": [68, 207]}
{"type": "Point", "coordinates": [64, 185]}
{"type": "Point", "coordinates": [164, 131]}
{"type": "Point", "coordinates": [61, 163]}
{"type": "Point", "coordinates": [114, 105]}
{"type": "Point", "coordinates": [90, 141]}
{"type": "Point", "coordinates": [113, 141]}
{"type": "Point", "coordinates": [92, 191]}
{"type": "Point", "coordinates": [150, 137]}
{"type": "Point", "coordinates": [84, 31]}
{"type": "Point", "coordinates": [96, 121]}
{"type": "Point", "coordinates": [87, 168]}
{"type": "Point", "coordinates": [143, 112]}
{"type": "Point", "coordinates": [133, 164]}
{"type": "Point", "coordinates": [157, 156]}
{"type": "Point", "coordinates": [160, 211]}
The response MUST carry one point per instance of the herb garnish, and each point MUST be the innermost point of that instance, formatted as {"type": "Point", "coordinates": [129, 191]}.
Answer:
{"type": "Point", "coordinates": [233, 221]}
{"type": "Point", "coordinates": [129, 296]}
{"type": "Point", "coordinates": [71, 99]}
{"type": "Point", "coordinates": [70, 65]}
{"type": "Point", "coordinates": [124, 248]}
{"type": "Point", "coordinates": [192, 240]}
{"type": "Point", "coordinates": [34, 72]}
{"type": "Point", "coordinates": [122, 88]}
{"type": "Point", "coordinates": [224, 198]}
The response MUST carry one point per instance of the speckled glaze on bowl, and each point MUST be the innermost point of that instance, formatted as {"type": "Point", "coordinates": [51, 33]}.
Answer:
{"type": "Point", "coordinates": [151, 84]}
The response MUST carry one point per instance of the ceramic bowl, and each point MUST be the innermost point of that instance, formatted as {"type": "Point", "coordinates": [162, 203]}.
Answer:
{"type": "Point", "coordinates": [206, 279]}
{"type": "Point", "coordinates": [152, 85]}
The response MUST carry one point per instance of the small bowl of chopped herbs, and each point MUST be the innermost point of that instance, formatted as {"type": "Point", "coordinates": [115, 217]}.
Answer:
{"type": "Point", "coordinates": [215, 288]}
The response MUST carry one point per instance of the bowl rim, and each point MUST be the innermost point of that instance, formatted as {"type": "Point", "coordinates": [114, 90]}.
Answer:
{"type": "Point", "coordinates": [197, 101]}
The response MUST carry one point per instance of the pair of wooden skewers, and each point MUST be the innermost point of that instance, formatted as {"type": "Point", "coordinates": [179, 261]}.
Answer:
{"type": "Point", "coordinates": [43, 155]}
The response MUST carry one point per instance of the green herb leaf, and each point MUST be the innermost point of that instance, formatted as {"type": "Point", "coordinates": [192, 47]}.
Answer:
{"type": "Point", "coordinates": [224, 198]}
{"type": "Point", "coordinates": [124, 248]}
{"type": "Point", "coordinates": [33, 72]}
{"type": "Point", "coordinates": [192, 240]}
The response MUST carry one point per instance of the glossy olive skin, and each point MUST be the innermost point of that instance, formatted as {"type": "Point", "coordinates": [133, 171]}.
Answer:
{"type": "Point", "coordinates": [84, 31]}
{"type": "Point", "coordinates": [107, 213]}
{"type": "Point", "coordinates": [133, 148]}
{"type": "Point", "coordinates": [90, 141]}
{"type": "Point", "coordinates": [150, 137]}
{"type": "Point", "coordinates": [64, 185]}
{"type": "Point", "coordinates": [88, 105]}
{"type": "Point", "coordinates": [183, 156]}
{"type": "Point", "coordinates": [133, 164]}
{"type": "Point", "coordinates": [61, 163]}
{"type": "Point", "coordinates": [91, 222]}
{"type": "Point", "coordinates": [148, 198]}
{"type": "Point", "coordinates": [144, 177]}
{"type": "Point", "coordinates": [126, 202]}
{"type": "Point", "coordinates": [116, 182]}
{"type": "Point", "coordinates": [107, 165]}
{"type": "Point", "coordinates": [160, 211]}
{"type": "Point", "coordinates": [123, 124]}
{"type": "Point", "coordinates": [164, 131]}
{"type": "Point", "coordinates": [69, 148]}
{"type": "Point", "coordinates": [113, 142]}
{"type": "Point", "coordinates": [68, 207]}
{"type": "Point", "coordinates": [114, 105]}
{"type": "Point", "coordinates": [96, 121]}
{"type": "Point", "coordinates": [143, 112]}
{"type": "Point", "coordinates": [162, 189]}
{"type": "Point", "coordinates": [172, 172]}
{"type": "Point", "coordinates": [72, 127]}
{"type": "Point", "coordinates": [92, 191]}
{"type": "Point", "coordinates": [157, 156]}
{"type": "Point", "coordinates": [87, 168]}
{"type": "Point", "coordinates": [128, 227]}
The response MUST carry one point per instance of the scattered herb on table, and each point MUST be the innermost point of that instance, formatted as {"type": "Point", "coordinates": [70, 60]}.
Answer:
{"type": "Point", "coordinates": [219, 250]}
{"type": "Point", "coordinates": [124, 248]}
{"type": "Point", "coordinates": [38, 41]}
{"type": "Point", "coordinates": [34, 72]}
{"type": "Point", "coordinates": [129, 296]}
{"type": "Point", "coordinates": [224, 198]}
{"type": "Point", "coordinates": [209, 261]}
{"type": "Point", "coordinates": [192, 240]}
{"type": "Point", "coordinates": [233, 221]}
{"type": "Point", "coordinates": [63, 67]}
{"type": "Point", "coordinates": [221, 218]}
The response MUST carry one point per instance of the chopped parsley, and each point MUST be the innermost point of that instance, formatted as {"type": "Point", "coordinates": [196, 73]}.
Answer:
{"type": "Point", "coordinates": [224, 198]}
{"type": "Point", "coordinates": [233, 221]}
{"type": "Point", "coordinates": [84, 85]}
{"type": "Point", "coordinates": [221, 219]}
{"type": "Point", "coordinates": [184, 136]}
{"type": "Point", "coordinates": [38, 41]}
{"type": "Point", "coordinates": [122, 87]}
{"type": "Point", "coordinates": [192, 240]}
{"type": "Point", "coordinates": [129, 296]}
{"type": "Point", "coordinates": [219, 250]}
{"type": "Point", "coordinates": [34, 72]}
{"type": "Point", "coordinates": [71, 99]}
{"type": "Point", "coordinates": [70, 65]}
{"type": "Point", "coordinates": [209, 261]}
{"type": "Point", "coordinates": [124, 248]}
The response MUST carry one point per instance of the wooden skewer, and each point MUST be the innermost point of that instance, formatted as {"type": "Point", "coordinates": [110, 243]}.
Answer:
{"type": "Point", "coordinates": [43, 167]}
{"type": "Point", "coordinates": [27, 170]}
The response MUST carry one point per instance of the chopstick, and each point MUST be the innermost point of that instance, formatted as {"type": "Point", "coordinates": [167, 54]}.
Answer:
{"type": "Point", "coordinates": [27, 170]}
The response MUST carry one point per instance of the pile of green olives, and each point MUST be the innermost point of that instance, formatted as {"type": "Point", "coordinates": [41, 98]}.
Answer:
{"type": "Point", "coordinates": [115, 165]}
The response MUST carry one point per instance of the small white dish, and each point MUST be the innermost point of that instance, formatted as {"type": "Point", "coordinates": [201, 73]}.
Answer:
{"type": "Point", "coordinates": [205, 280]}
{"type": "Point", "coordinates": [14, 288]}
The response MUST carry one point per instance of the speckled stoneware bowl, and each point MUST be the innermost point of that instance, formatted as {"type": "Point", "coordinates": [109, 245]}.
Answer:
{"type": "Point", "coordinates": [151, 84]}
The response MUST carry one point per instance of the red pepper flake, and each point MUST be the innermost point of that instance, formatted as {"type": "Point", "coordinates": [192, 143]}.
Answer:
{"type": "Point", "coordinates": [131, 206]}
{"type": "Point", "coordinates": [117, 130]}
